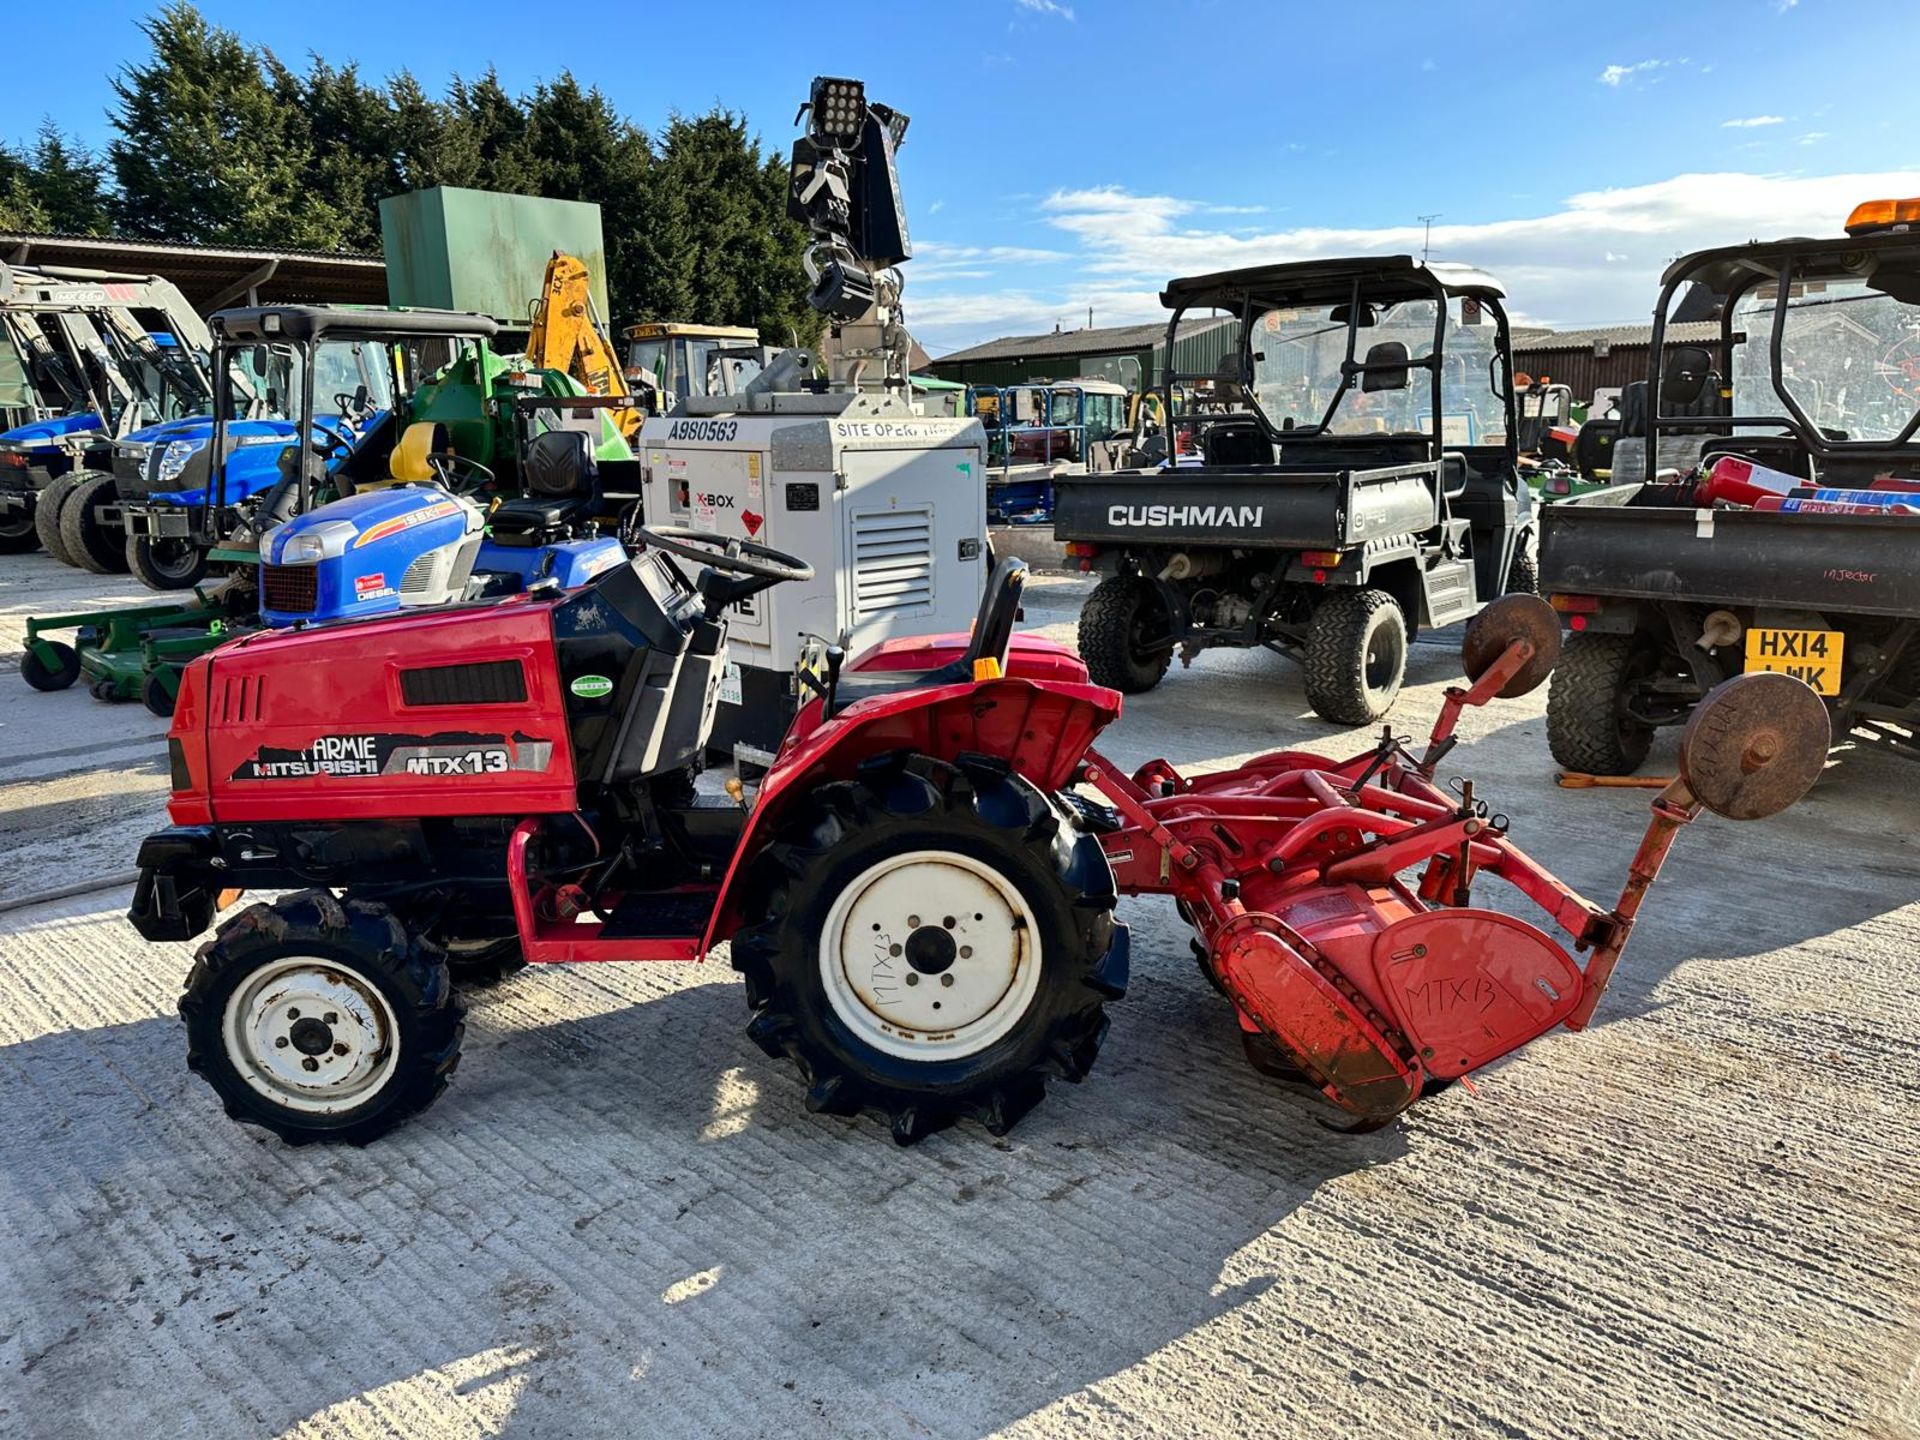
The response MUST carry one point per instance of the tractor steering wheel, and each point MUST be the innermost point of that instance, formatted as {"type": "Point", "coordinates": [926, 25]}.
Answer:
{"type": "Point", "coordinates": [726, 553]}
{"type": "Point", "coordinates": [447, 465]}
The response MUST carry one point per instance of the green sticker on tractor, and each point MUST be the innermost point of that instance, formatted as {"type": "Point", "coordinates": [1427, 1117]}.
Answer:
{"type": "Point", "coordinates": [592, 687]}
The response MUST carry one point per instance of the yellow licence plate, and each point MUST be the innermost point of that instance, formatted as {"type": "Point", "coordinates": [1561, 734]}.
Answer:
{"type": "Point", "coordinates": [1809, 655]}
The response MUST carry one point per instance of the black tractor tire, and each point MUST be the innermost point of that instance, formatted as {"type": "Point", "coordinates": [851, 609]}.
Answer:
{"type": "Point", "coordinates": [89, 544]}
{"type": "Point", "coordinates": [40, 676]}
{"type": "Point", "coordinates": [155, 695]}
{"type": "Point", "coordinates": [17, 534]}
{"type": "Point", "coordinates": [1587, 730]}
{"type": "Point", "coordinates": [479, 964]}
{"type": "Point", "coordinates": [357, 949]}
{"type": "Point", "coordinates": [46, 514]}
{"type": "Point", "coordinates": [1523, 572]}
{"type": "Point", "coordinates": [846, 831]}
{"type": "Point", "coordinates": [1356, 656]}
{"type": "Point", "coordinates": [1121, 613]}
{"type": "Point", "coordinates": [166, 564]}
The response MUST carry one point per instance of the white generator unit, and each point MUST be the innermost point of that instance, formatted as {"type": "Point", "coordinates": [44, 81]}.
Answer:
{"type": "Point", "coordinates": [889, 506]}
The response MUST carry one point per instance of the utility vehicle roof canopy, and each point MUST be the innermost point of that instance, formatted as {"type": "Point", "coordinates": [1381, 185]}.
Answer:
{"type": "Point", "coordinates": [1820, 339]}
{"type": "Point", "coordinates": [1328, 282]}
{"type": "Point", "coordinates": [266, 323]}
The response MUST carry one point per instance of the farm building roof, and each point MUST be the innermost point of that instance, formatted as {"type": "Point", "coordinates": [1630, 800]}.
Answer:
{"type": "Point", "coordinates": [1692, 332]}
{"type": "Point", "coordinates": [211, 276]}
{"type": "Point", "coordinates": [1106, 340]}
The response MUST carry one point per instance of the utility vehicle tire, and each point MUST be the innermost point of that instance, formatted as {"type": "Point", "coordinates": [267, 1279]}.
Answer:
{"type": "Point", "coordinates": [482, 949]}
{"type": "Point", "coordinates": [155, 695]}
{"type": "Point", "coordinates": [17, 534]}
{"type": "Point", "coordinates": [1356, 656]}
{"type": "Point", "coordinates": [46, 514]}
{"type": "Point", "coordinates": [1587, 728]}
{"type": "Point", "coordinates": [284, 991]}
{"type": "Point", "coordinates": [1523, 572]}
{"type": "Point", "coordinates": [42, 677]}
{"type": "Point", "coordinates": [1118, 627]}
{"type": "Point", "coordinates": [877, 892]}
{"type": "Point", "coordinates": [89, 544]}
{"type": "Point", "coordinates": [166, 564]}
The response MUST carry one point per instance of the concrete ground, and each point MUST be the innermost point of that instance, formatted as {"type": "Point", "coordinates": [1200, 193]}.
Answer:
{"type": "Point", "coordinates": [1701, 1218]}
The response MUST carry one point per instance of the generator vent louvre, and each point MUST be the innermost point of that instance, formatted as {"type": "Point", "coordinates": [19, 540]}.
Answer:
{"type": "Point", "coordinates": [892, 561]}
{"type": "Point", "coordinates": [483, 682]}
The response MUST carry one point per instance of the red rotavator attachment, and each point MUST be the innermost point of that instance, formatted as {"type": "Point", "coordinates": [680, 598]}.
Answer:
{"type": "Point", "coordinates": [1332, 898]}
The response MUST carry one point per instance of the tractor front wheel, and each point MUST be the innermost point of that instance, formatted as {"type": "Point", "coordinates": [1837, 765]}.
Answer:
{"type": "Point", "coordinates": [1356, 656]}
{"type": "Point", "coordinates": [1126, 635]}
{"type": "Point", "coordinates": [90, 543]}
{"type": "Point", "coordinates": [319, 1019]}
{"type": "Point", "coordinates": [935, 943]}
{"type": "Point", "coordinates": [166, 564]}
{"type": "Point", "coordinates": [46, 514]}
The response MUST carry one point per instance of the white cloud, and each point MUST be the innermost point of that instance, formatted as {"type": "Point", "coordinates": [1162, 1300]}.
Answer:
{"type": "Point", "coordinates": [1753, 122]}
{"type": "Point", "coordinates": [1046, 7]}
{"type": "Point", "coordinates": [936, 207]}
{"type": "Point", "coordinates": [1813, 137]}
{"type": "Point", "coordinates": [1784, 5]}
{"type": "Point", "coordinates": [1618, 75]}
{"type": "Point", "coordinates": [1573, 265]}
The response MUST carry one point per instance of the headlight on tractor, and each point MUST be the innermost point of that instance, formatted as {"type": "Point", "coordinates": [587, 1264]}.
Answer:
{"type": "Point", "coordinates": [311, 546]}
{"type": "Point", "coordinates": [174, 459]}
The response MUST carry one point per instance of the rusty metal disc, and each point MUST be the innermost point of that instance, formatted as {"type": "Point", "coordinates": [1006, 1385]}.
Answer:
{"type": "Point", "coordinates": [1511, 618]}
{"type": "Point", "coordinates": [1755, 745]}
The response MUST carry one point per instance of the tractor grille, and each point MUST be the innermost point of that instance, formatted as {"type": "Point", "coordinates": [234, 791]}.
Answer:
{"type": "Point", "coordinates": [290, 589]}
{"type": "Point", "coordinates": [484, 682]}
{"type": "Point", "coordinates": [238, 701]}
{"type": "Point", "coordinates": [892, 561]}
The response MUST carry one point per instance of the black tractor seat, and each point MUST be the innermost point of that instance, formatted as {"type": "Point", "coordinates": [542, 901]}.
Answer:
{"type": "Point", "coordinates": [532, 520]}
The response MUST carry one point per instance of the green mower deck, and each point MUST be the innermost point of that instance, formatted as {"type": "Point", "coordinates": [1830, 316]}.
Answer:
{"type": "Point", "coordinates": [133, 652]}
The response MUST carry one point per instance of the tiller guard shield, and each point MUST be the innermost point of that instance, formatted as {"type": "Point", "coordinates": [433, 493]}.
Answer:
{"type": "Point", "coordinates": [1292, 870]}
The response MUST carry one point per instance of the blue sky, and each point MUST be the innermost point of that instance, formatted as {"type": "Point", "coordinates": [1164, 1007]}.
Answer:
{"type": "Point", "coordinates": [1068, 154]}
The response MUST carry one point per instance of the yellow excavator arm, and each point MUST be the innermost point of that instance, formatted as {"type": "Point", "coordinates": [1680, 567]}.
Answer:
{"type": "Point", "coordinates": [567, 335]}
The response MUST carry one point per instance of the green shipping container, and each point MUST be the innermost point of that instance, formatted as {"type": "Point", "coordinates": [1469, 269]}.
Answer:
{"type": "Point", "coordinates": [453, 249]}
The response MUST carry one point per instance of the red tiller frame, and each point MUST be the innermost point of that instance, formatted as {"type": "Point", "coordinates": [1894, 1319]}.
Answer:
{"type": "Point", "coordinates": [1290, 820]}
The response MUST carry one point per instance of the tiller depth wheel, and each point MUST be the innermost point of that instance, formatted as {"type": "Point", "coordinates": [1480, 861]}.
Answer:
{"type": "Point", "coordinates": [1334, 899]}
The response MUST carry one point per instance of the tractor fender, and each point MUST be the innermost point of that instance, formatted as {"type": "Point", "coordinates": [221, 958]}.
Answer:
{"type": "Point", "coordinates": [1040, 727]}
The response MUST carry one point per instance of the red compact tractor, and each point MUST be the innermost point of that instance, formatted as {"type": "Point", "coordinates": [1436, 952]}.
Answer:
{"type": "Point", "coordinates": [918, 895]}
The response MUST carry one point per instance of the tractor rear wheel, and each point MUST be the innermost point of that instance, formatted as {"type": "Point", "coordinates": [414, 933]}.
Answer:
{"type": "Point", "coordinates": [1126, 635]}
{"type": "Point", "coordinates": [90, 544]}
{"type": "Point", "coordinates": [166, 564]}
{"type": "Point", "coordinates": [935, 942]}
{"type": "Point", "coordinates": [46, 514]}
{"type": "Point", "coordinates": [321, 1020]}
{"type": "Point", "coordinates": [1356, 656]}
{"type": "Point", "coordinates": [1588, 728]}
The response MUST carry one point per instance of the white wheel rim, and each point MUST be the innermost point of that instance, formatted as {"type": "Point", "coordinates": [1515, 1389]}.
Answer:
{"type": "Point", "coordinates": [312, 1036]}
{"type": "Point", "coordinates": [930, 956]}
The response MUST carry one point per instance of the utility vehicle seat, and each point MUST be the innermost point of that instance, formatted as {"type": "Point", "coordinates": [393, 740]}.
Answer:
{"type": "Point", "coordinates": [992, 634]}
